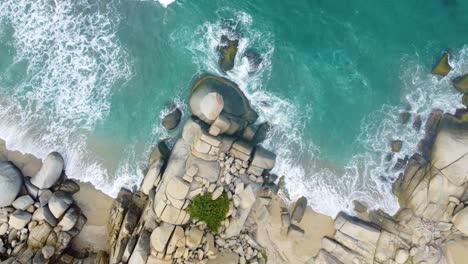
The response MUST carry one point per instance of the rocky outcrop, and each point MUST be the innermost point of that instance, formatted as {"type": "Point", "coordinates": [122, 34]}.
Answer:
{"type": "Point", "coordinates": [432, 218]}
{"type": "Point", "coordinates": [212, 156]}
{"type": "Point", "coordinates": [38, 216]}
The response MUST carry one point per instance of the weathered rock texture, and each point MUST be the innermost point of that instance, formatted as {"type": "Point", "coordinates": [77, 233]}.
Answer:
{"type": "Point", "coordinates": [432, 223]}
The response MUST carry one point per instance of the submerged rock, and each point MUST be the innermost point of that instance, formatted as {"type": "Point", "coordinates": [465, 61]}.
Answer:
{"type": "Point", "coordinates": [442, 67]}
{"type": "Point", "coordinates": [404, 117]}
{"type": "Point", "coordinates": [172, 120]}
{"type": "Point", "coordinates": [254, 59]}
{"type": "Point", "coordinates": [10, 183]}
{"type": "Point", "coordinates": [227, 52]}
{"type": "Point", "coordinates": [397, 145]}
{"type": "Point", "coordinates": [417, 122]}
{"type": "Point", "coordinates": [465, 100]}
{"type": "Point", "coordinates": [461, 83]}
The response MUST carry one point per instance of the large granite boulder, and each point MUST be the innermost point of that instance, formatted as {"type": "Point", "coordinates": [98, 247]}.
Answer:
{"type": "Point", "coordinates": [450, 148]}
{"type": "Point", "coordinates": [442, 67]}
{"type": "Point", "coordinates": [50, 171]}
{"type": "Point", "coordinates": [10, 183]}
{"type": "Point", "coordinates": [212, 95]}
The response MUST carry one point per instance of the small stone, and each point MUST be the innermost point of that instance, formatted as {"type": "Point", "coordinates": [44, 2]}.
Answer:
{"type": "Point", "coordinates": [19, 219]}
{"type": "Point", "coordinates": [59, 203]}
{"type": "Point", "coordinates": [45, 197]}
{"type": "Point", "coordinates": [48, 252]}
{"type": "Point", "coordinates": [217, 193]}
{"type": "Point", "coordinates": [239, 187]}
{"type": "Point", "coordinates": [211, 188]}
{"type": "Point", "coordinates": [23, 202]}
{"type": "Point", "coordinates": [171, 120]}
{"type": "Point", "coordinates": [4, 229]}
{"type": "Point", "coordinates": [401, 256]}
{"type": "Point", "coordinates": [397, 145]}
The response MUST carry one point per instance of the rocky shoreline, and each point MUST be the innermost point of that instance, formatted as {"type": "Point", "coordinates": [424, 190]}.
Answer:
{"type": "Point", "coordinates": [211, 198]}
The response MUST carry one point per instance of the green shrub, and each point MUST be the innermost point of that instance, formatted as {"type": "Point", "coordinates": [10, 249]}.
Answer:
{"type": "Point", "coordinates": [212, 212]}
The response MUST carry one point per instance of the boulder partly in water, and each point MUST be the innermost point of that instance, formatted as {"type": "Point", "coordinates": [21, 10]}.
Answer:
{"type": "Point", "coordinates": [254, 59]}
{"type": "Point", "coordinates": [216, 100]}
{"type": "Point", "coordinates": [461, 83]}
{"type": "Point", "coordinates": [172, 120]}
{"type": "Point", "coordinates": [50, 171]}
{"type": "Point", "coordinates": [227, 52]}
{"type": "Point", "coordinates": [442, 67]}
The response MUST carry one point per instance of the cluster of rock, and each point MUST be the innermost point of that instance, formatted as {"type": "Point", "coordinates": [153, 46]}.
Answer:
{"type": "Point", "coordinates": [38, 216]}
{"type": "Point", "coordinates": [432, 220]}
{"type": "Point", "coordinates": [460, 83]}
{"type": "Point", "coordinates": [215, 154]}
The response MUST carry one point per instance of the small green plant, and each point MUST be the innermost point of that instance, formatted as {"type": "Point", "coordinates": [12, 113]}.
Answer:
{"type": "Point", "coordinates": [212, 212]}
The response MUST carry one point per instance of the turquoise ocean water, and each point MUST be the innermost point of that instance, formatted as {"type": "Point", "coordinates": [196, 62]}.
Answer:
{"type": "Point", "coordinates": [93, 78]}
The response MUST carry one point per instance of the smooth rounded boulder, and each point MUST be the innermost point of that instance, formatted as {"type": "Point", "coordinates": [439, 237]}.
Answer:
{"type": "Point", "coordinates": [10, 183]}
{"type": "Point", "coordinates": [50, 171]}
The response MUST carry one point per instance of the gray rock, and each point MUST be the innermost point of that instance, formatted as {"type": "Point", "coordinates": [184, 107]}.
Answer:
{"type": "Point", "coordinates": [299, 209]}
{"type": "Point", "coordinates": [59, 203]}
{"type": "Point", "coordinates": [19, 219]}
{"type": "Point", "coordinates": [142, 249]}
{"type": "Point", "coordinates": [23, 202]}
{"type": "Point", "coordinates": [70, 186]}
{"type": "Point", "coordinates": [48, 251]}
{"type": "Point", "coordinates": [32, 190]}
{"type": "Point", "coordinates": [10, 183]}
{"type": "Point", "coordinates": [43, 214]}
{"type": "Point", "coordinates": [171, 120]}
{"type": "Point", "coordinates": [4, 228]}
{"type": "Point", "coordinates": [263, 158]}
{"type": "Point", "coordinates": [160, 236]}
{"type": "Point", "coordinates": [69, 219]}
{"type": "Point", "coordinates": [45, 197]}
{"type": "Point", "coordinates": [50, 171]}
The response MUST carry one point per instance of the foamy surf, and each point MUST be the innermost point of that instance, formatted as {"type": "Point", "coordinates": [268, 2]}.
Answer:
{"type": "Point", "coordinates": [367, 176]}
{"type": "Point", "coordinates": [70, 59]}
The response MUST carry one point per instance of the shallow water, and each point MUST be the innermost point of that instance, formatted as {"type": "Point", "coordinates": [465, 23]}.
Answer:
{"type": "Point", "coordinates": [92, 79]}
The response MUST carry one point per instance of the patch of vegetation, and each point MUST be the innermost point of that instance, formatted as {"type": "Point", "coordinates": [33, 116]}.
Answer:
{"type": "Point", "coordinates": [212, 212]}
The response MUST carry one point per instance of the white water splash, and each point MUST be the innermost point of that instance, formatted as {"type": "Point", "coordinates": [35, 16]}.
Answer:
{"type": "Point", "coordinates": [69, 59]}
{"type": "Point", "coordinates": [330, 189]}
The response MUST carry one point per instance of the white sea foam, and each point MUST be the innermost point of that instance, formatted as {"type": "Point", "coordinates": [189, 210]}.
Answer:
{"type": "Point", "coordinates": [73, 60]}
{"type": "Point", "coordinates": [367, 176]}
